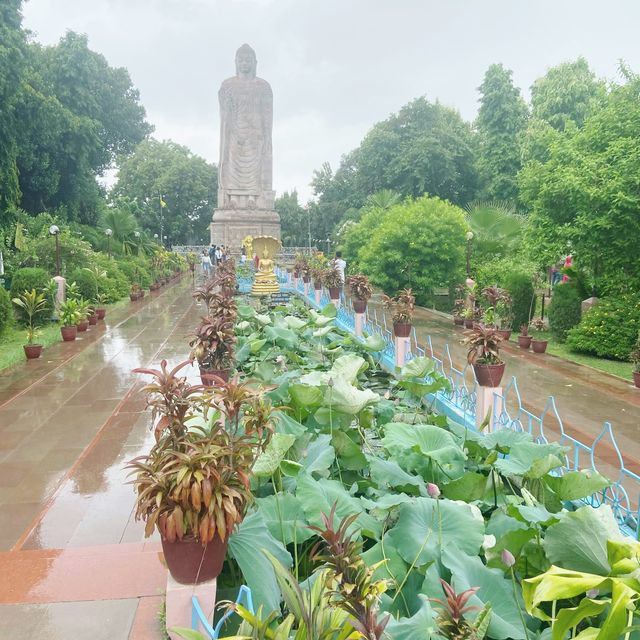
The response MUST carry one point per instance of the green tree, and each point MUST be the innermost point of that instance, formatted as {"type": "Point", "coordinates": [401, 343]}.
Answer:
{"type": "Point", "coordinates": [186, 183]}
{"type": "Point", "coordinates": [586, 197]}
{"type": "Point", "coordinates": [425, 148]}
{"type": "Point", "coordinates": [420, 244]}
{"type": "Point", "coordinates": [501, 119]}
{"type": "Point", "coordinates": [12, 46]}
{"type": "Point", "coordinates": [567, 93]}
{"type": "Point", "coordinates": [294, 220]}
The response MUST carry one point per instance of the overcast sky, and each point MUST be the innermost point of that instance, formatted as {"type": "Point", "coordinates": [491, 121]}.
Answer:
{"type": "Point", "coordinates": [336, 66]}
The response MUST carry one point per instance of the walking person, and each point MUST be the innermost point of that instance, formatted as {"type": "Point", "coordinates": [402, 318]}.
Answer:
{"type": "Point", "coordinates": [243, 255]}
{"type": "Point", "coordinates": [340, 265]}
{"type": "Point", "coordinates": [206, 264]}
{"type": "Point", "coordinates": [218, 254]}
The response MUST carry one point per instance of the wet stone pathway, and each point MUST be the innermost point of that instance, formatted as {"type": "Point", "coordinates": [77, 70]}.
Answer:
{"type": "Point", "coordinates": [73, 563]}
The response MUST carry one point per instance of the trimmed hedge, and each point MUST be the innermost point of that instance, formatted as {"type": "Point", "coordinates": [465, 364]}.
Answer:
{"type": "Point", "coordinates": [26, 279]}
{"type": "Point", "coordinates": [565, 310]}
{"type": "Point", "coordinates": [5, 309]}
{"type": "Point", "coordinates": [520, 286]}
{"type": "Point", "coordinates": [609, 329]}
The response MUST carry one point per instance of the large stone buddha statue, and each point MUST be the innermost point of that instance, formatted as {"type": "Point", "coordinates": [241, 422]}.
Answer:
{"type": "Point", "coordinates": [245, 192]}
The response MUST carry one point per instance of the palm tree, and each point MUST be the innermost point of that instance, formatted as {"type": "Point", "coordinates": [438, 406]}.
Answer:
{"type": "Point", "coordinates": [124, 225]}
{"type": "Point", "coordinates": [383, 199]}
{"type": "Point", "coordinates": [497, 227]}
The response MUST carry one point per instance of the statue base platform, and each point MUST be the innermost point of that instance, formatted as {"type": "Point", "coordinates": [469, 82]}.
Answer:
{"type": "Point", "coordinates": [231, 226]}
{"type": "Point", "coordinates": [265, 287]}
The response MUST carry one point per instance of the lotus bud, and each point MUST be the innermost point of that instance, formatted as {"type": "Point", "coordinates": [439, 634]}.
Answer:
{"type": "Point", "coordinates": [330, 382]}
{"type": "Point", "coordinates": [507, 558]}
{"type": "Point", "coordinates": [593, 593]}
{"type": "Point", "coordinates": [433, 490]}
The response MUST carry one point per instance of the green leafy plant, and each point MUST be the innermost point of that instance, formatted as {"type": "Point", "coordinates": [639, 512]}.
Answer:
{"type": "Point", "coordinates": [32, 304]}
{"type": "Point", "coordinates": [565, 309]}
{"type": "Point", "coordinates": [332, 278]}
{"type": "Point", "coordinates": [69, 313]}
{"type": "Point", "coordinates": [213, 343]}
{"type": "Point", "coordinates": [359, 287]}
{"type": "Point", "coordinates": [401, 306]}
{"type": "Point", "coordinates": [451, 620]}
{"type": "Point", "coordinates": [634, 356]}
{"type": "Point", "coordinates": [484, 345]}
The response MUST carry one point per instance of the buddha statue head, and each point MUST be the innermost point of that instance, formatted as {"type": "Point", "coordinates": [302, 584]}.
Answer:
{"type": "Point", "coordinates": [246, 62]}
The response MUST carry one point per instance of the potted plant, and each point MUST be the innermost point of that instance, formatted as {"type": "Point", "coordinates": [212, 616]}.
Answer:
{"type": "Point", "coordinates": [193, 486]}
{"type": "Point", "coordinates": [361, 291]}
{"type": "Point", "coordinates": [32, 304]}
{"type": "Point", "coordinates": [299, 265]}
{"type": "Point", "coordinates": [524, 339]}
{"type": "Point", "coordinates": [212, 346]}
{"type": "Point", "coordinates": [333, 282]}
{"type": "Point", "coordinates": [85, 311]}
{"type": "Point", "coordinates": [134, 292]}
{"type": "Point", "coordinates": [401, 307]}
{"type": "Point", "coordinates": [634, 356]}
{"type": "Point", "coordinates": [100, 302]}
{"type": "Point", "coordinates": [317, 275]}
{"type": "Point", "coordinates": [467, 317]}
{"type": "Point", "coordinates": [69, 317]}
{"type": "Point", "coordinates": [538, 343]}
{"type": "Point", "coordinates": [504, 315]}
{"type": "Point", "coordinates": [484, 355]}
{"type": "Point", "coordinates": [458, 309]}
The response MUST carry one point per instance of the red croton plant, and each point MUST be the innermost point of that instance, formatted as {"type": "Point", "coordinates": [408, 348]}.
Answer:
{"type": "Point", "coordinates": [195, 480]}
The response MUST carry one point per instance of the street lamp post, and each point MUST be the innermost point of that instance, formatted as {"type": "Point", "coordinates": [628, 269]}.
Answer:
{"type": "Point", "coordinates": [109, 233]}
{"type": "Point", "coordinates": [137, 236]}
{"type": "Point", "coordinates": [309, 226]}
{"type": "Point", "coordinates": [55, 231]}
{"type": "Point", "coordinates": [328, 246]}
{"type": "Point", "coordinates": [155, 237]}
{"type": "Point", "coordinates": [469, 239]}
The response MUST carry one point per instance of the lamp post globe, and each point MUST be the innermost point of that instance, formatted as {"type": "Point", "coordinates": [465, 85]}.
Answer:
{"type": "Point", "coordinates": [108, 233]}
{"type": "Point", "coordinates": [54, 230]}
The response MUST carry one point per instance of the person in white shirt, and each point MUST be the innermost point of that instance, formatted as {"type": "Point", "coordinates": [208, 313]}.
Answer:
{"type": "Point", "coordinates": [340, 265]}
{"type": "Point", "coordinates": [218, 255]}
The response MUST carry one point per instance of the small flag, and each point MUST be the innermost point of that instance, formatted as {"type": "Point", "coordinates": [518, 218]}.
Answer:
{"type": "Point", "coordinates": [163, 204]}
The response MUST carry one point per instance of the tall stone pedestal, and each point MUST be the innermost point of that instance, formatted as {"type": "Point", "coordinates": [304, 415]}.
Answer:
{"type": "Point", "coordinates": [231, 226]}
{"type": "Point", "coordinates": [179, 603]}
{"type": "Point", "coordinates": [359, 323]}
{"type": "Point", "coordinates": [487, 397]}
{"type": "Point", "coordinates": [403, 346]}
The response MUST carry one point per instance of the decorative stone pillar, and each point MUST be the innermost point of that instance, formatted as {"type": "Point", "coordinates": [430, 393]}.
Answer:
{"type": "Point", "coordinates": [402, 349]}
{"type": "Point", "coordinates": [360, 318]}
{"type": "Point", "coordinates": [60, 293]}
{"type": "Point", "coordinates": [318, 295]}
{"type": "Point", "coordinates": [336, 301]}
{"type": "Point", "coordinates": [306, 289]}
{"type": "Point", "coordinates": [179, 606]}
{"type": "Point", "coordinates": [488, 403]}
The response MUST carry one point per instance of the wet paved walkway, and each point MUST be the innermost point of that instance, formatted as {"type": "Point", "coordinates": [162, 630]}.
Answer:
{"type": "Point", "coordinates": [73, 563]}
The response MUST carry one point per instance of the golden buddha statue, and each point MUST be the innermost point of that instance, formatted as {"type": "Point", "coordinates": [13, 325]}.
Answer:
{"type": "Point", "coordinates": [265, 280]}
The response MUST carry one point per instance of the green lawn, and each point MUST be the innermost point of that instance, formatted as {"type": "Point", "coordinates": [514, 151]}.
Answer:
{"type": "Point", "coordinates": [613, 367]}
{"type": "Point", "coordinates": [13, 338]}
{"type": "Point", "coordinates": [11, 341]}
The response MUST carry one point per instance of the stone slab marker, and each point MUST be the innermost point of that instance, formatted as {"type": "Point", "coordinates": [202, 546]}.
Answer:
{"type": "Point", "coordinates": [245, 184]}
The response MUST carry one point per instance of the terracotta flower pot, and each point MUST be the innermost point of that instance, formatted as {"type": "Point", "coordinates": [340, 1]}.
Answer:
{"type": "Point", "coordinates": [360, 306]}
{"type": "Point", "coordinates": [69, 333]}
{"type": "Point", "coordinates": [208, 376]}
{"type": "Point", "coordinates": [636, 378]}
{"type": "Point", "coordinates": [524, 342]}
{"type": "Point", "coordinates": [505, 334]}
{"type": "Point", "coordinates": [317, 286]}
{"type": "Point", "coordinates": [133, 297]}
{"type": "Point", "coordinates": [401, 329]}
{"type": "Point", "coordinates": [32, 351]}
{"type": "Point", "coordinates": [458, 321]}
{"type": "Point", "coordinates": [83, 325]}
{"type": "Point", "coordinates": [468, 324]}
{"type": "Point", "coordinates": [93, 319]}
{"type": "Point", "coordinates": [489, 375]}
{"type": "Point", "coordinates": [539, 346]}
{"type": "Point", "coordinates": [101, 313]}
{"type": "Point", "coordinates": [334, 293]}
{"type": "Point", "coordinates": [191, 563]}
{"type": "Point", "coordinates": [306, 279]}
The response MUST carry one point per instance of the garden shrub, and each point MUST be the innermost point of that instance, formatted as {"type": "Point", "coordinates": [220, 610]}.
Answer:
{"type": "Point", "coordinates": [86, 283]}
{"type": "Point", "coordinates": [609, 329]}
{"type": "Point", "coordinates": [517, 279]}
{"type": "Point", "coordinates": [26, 279]}
{"type": "Point", "coordinates": [41, 252]}
{"type": "Point", "coordinates": [565, 309]}
{"type": "Point", "coordinates": [5, 309]}
{"type": "Point", "coordinates": [136, 270]}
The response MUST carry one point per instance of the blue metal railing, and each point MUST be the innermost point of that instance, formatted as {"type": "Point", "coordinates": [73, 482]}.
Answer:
{"type": "Point", "coordinates": [460, 403]}
{"type": "Point", "coordinates": [199, 619]}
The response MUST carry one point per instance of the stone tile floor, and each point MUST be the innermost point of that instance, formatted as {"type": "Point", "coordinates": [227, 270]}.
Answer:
{"type": "Point", "coordinates": [73, 562]}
